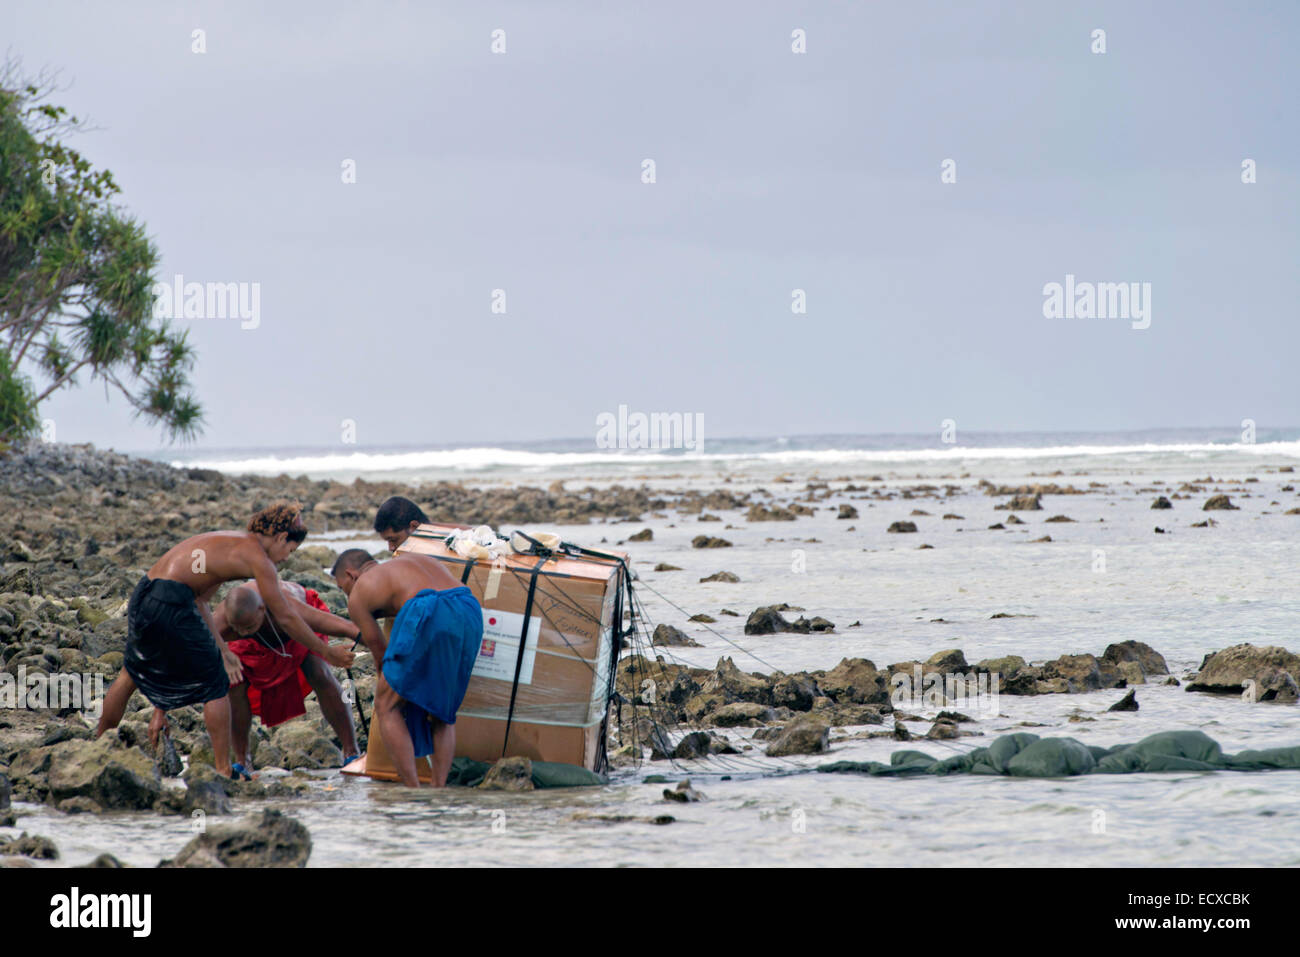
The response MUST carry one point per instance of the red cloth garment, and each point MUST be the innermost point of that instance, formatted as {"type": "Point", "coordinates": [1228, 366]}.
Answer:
{"type": "Point", "coordinates": [276, 684]}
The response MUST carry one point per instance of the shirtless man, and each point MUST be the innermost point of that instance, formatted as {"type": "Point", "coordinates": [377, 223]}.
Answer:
{"type": "Point", "coordinates": [173, 652]}
{"type": "Point", "coordinates": [279, 672]}
{"type": "Point", "coordinates": [426, 662]}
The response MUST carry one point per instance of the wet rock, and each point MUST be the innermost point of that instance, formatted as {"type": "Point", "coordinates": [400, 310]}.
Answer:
{"type": "Point", "coordinates": [206, 791]}
{"type": "Point", "coordinates": [321, 556]}
{"type": "Point", "coordinates": [268, 839]}
{"type": "Point", "coordinates": [847, 511]}
{"type": "Point", "coordinates": [736, 685]}
{"type": "Point", "coordinates": [304, 745]}
{"type": "Point", "coordinates": [1130, 672]}
{"type": "Point", "coordinates": [766, 621]}
{"type": "Point", "coordinates": [509, 774]}
{"type": "Point", "coordinates": [1021, 503]}
{"type": "Point", "coordinates": [847, 715]}
{"type": "Point", "coordinates": [105, 861]}
{"type": "Point", "coordinates": [79, 805]}
{"type": "Point", "coordinates": [33, 846]}
{"type": "Point", "coordinates": [1277, 685]}
{"type": "Point", "coordinates": [665, 567]}
{"type": "Point", "coordinates": [709, 541]}
{"type": "Point", "coordinates": [700, 744]}
{"type": "Point", "coordinates": [1218, 503]}
{"type": "Point", "coordinates": [947, 662]}
{"type": "Point", "coordinates": [1162, 502]}
{"type": "Point", "coordinates": [761, 513]}
{"type": "Point", "coordinates": [1003, 667]}
{"type": "Point", "coordinates": [703, 619]}
{"type": "Point", "coordinates": [1059, 518]}
{"type": "Point", "coordinates": [1233, 670]}
{"type": "Point", "coordinates": [796, 692]}
{"type": "Point", "coordinates": [814, 625]}
{"type": "Point", "coordinates": [668, 636]}
{"type": "Point", "coordinates": [943, 729]}
{"type": "Point", "coordinates": [901, 527]}
{"type": "Point", "coordinates": [855, 681]}
{"type": "Point", "coordinates": [645, 535]}
{"type": "Point", "coordinates": [1080, 672]}
{"type": "Point", "coordinates": [113, 776]}
{"type": "Point", "coordinates": [807, 734]}
{"type": "Point", "coordinates": [683, 793]}
{"type": "Point", "coordinates": [5, 789]}
{"type": "Point", "coordinates": [739, 714]}
{"type": "Point", "coordinates": [900, 730]}
{"type": "Point", "coordinates": [721, 577]}
{"type": "Point", "coordinates": [1150, 660]}
{"type": "Point", "coordinates": [1127, 703]}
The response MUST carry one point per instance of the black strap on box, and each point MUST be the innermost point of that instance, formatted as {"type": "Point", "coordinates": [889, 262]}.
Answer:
{"type": "Point", "coordinates": [523, 647]}
{"type": "Point", "coordinates": [469, 567]}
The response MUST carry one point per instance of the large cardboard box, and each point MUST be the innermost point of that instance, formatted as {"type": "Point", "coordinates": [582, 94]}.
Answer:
{"type": "Point", "coordinates": [564, 678]}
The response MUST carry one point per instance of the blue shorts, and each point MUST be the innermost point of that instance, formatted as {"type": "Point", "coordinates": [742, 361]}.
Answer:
{"type": "Point", "coordinates": [431, 653]}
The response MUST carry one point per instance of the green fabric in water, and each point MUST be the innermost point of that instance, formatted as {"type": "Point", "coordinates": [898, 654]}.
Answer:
{"type": "Point", "coordinates": [468, 773]}
{"type": "Point", "coordinates": [1029, 756]}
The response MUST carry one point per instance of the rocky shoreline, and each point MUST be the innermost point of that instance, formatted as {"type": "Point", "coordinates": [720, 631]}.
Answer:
{"type": "Point", "coordinates": [81, 526]}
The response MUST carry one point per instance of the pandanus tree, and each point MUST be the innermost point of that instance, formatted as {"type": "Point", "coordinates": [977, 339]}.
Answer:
{"type": "Point", "coordinates": [76, 279]}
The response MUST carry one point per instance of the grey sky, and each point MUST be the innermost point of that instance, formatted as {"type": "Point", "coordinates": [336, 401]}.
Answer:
{"type": "Point", "coordinates": [775, 171]}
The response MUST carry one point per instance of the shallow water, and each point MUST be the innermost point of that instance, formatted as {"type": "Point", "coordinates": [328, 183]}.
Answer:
{"type": "Point", "coordinates": [1185, 593]}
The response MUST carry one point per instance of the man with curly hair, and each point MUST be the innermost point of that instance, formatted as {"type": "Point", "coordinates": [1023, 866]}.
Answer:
{"type": "Point", "coordinates": [174, 653]}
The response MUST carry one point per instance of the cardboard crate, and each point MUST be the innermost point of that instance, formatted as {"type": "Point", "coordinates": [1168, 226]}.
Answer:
{"type": "Point", "coordinates": [561, 703]}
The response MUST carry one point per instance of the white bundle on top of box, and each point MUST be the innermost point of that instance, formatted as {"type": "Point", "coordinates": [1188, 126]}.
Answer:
{"type": "Point", "coordinates": [542, 680]}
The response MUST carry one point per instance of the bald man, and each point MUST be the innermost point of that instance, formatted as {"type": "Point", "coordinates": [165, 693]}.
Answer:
{"type": "Point", "coordinates": [278, 672]}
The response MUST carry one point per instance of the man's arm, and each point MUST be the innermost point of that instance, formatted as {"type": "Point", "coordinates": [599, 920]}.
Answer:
{"type": "Point", "coordinates": [280, 608]}
{"type": "Point", "coordinates": [361, 615]}
{"type": "Point", "coordinates": [234, 667]}
{"type": "Point", "coordinates": [326, 623]}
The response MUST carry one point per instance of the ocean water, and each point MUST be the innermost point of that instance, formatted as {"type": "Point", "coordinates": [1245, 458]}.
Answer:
{"type": "Point", "coordinates": [1107, 576]}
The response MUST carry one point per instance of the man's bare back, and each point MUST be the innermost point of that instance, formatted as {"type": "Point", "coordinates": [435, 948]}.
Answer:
{"type": "Point", "coordinates": [380, 589]}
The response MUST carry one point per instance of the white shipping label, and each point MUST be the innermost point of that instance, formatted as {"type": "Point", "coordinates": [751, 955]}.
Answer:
{"type": "Point", "coordinates": [499, 652]}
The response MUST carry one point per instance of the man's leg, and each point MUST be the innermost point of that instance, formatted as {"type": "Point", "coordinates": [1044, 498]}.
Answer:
{"type": "Point", "coordinates": [216, 715]}
{"type": "Point", "coordinates": [241, 721]}
{"type": "Point", "coordinates": [115, 699]}
{"type": "Point", "coordinates": [444, 749]}
{"type": "Point", "coordinates": [397, 737]}
{"type": "Point", "coordinates": [330, 697]}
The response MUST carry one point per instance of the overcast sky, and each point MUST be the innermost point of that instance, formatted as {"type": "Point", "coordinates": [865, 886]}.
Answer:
{"type": "Point", "coordinates": [774, 171]}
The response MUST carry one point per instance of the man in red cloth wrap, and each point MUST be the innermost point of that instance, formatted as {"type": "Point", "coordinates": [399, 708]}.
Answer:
{"type": "Point", "coordinates": [279, 672]}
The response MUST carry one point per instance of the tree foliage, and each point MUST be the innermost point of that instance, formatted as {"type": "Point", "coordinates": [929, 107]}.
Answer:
{"type": "Point", "coordinates": [76, 278]}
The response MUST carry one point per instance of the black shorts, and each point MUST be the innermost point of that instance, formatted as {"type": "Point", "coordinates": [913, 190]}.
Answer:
{"type": "Point", "coordinates": [170, 652]}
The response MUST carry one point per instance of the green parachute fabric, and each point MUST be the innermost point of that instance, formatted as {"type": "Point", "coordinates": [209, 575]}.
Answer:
{"type": "Point", "coordinates": [1029, 756]}
{"type": "Point", "coordinates": [466, 772]}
